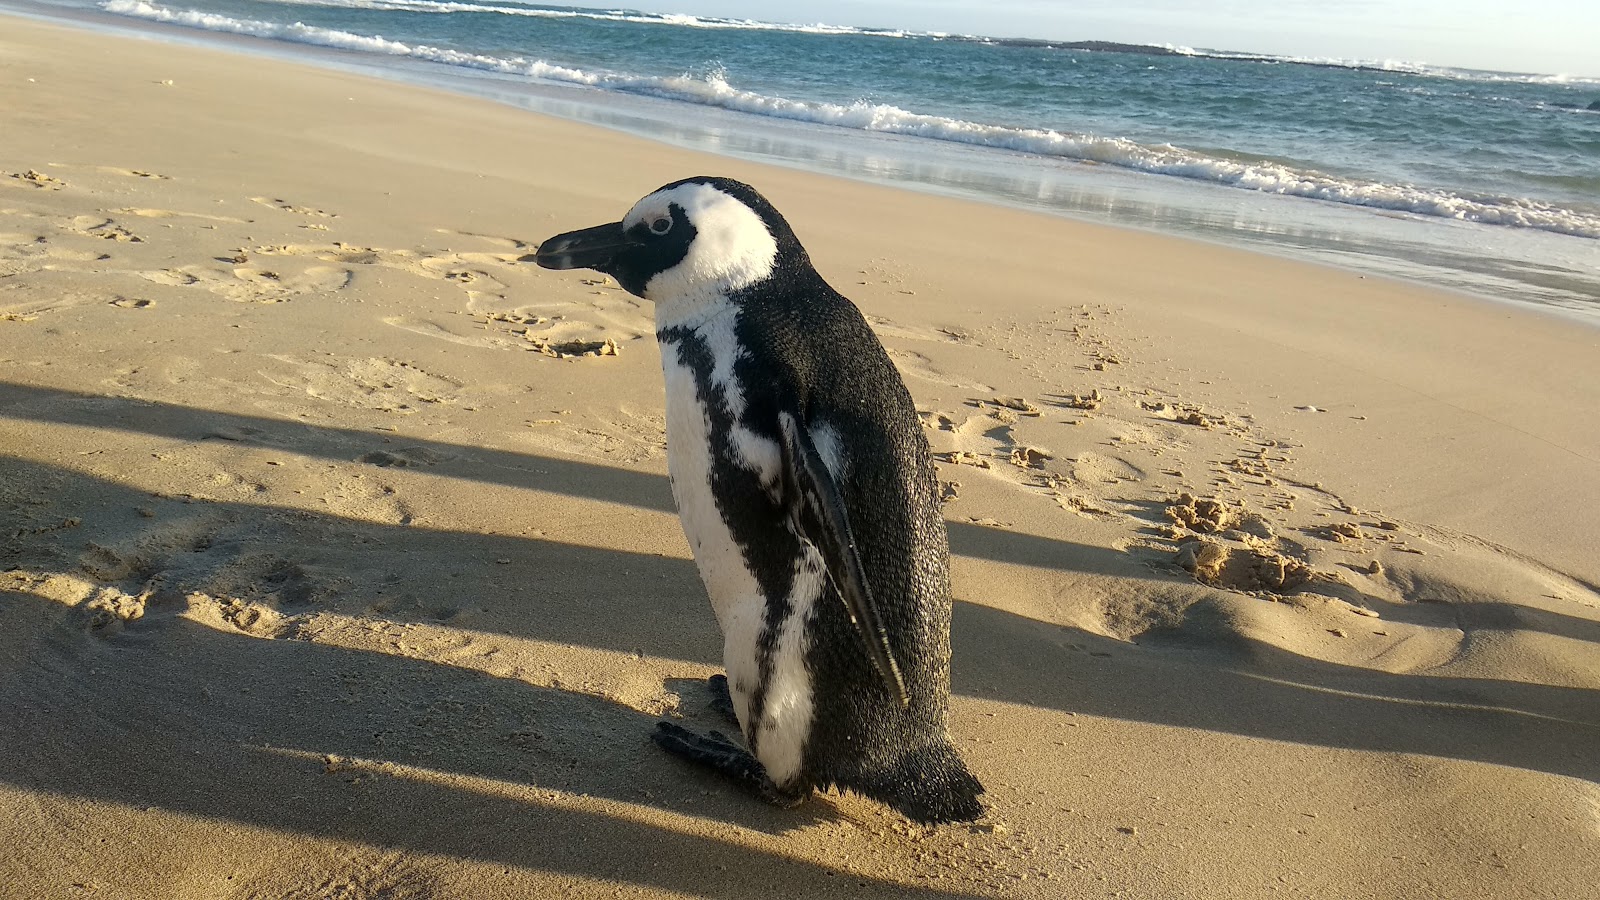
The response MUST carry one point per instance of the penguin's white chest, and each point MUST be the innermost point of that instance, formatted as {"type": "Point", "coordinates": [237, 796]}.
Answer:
{"type": "Point", "coordinates": [696, 447]}
{"type": "Point", "coordinates": [689, 461]}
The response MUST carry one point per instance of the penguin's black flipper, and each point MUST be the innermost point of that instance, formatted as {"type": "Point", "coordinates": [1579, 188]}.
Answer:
{"type": "Point", "coordinates": [715, 751]}
{"type": "Point", "coordinates": [817, 508]}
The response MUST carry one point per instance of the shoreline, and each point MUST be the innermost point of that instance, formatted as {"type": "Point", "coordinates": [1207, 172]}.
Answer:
{"type": "Point", "coordinates": [1501, 264]}
{"type": "Point", "coordinates": [324, 565]}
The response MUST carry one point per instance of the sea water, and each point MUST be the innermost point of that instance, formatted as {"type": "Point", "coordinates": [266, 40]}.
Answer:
{"type": "Point", "coordinates": [1481, 181]}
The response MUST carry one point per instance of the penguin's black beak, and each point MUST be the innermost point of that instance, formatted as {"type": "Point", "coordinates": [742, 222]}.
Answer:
{"type": "Point", "coordinates": [588, 248]}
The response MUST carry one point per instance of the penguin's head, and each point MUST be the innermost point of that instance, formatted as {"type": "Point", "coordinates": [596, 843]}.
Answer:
{"type": "Point", "coordinates": [692, 239]}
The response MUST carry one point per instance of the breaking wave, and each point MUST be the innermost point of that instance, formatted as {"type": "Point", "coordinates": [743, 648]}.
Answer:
{"type": "Point", "coordinates": [682, 20]}
{"type": "Point", "coordinates": [714, 90]}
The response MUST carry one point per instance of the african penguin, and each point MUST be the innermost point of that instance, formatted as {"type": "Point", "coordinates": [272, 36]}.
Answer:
{"type": "Point", "coordinates": [806, 490]}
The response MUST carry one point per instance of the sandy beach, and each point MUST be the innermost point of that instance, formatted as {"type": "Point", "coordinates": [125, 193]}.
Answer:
{"type": "Point", "coordinates": [338, 559]}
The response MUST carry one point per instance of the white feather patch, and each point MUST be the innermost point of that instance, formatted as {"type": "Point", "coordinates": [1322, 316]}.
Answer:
{"type": "Point", "coordinates": [732, 249]}
{"type": "Point", "coordinates": [786, 718]}
{"type": "Point", "coordinates": [689, 462]}
{"type": "Point", "coordinates": [736, 597]}
{"type": "Point", "coordinates": [826, 439]}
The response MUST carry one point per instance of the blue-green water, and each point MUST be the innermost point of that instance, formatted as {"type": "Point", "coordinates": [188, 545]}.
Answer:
{"type": "Point", "coordinates": [1483, 181]}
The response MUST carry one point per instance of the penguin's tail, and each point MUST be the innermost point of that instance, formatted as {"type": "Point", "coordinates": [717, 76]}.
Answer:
{"type": "Point", "coordinates": [930, 785]}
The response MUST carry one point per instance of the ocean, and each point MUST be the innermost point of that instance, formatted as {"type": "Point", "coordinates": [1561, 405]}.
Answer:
{"type": "Point", "coordinates": [1485, 182]}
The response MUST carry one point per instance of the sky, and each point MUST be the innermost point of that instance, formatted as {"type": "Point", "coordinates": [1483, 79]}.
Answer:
{"type": "Point", "coordinates": [1543, 36]}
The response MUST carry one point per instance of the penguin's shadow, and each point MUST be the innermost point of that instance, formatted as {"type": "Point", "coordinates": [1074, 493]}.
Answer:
{"type": "Point", "coordinates": [363, 748]}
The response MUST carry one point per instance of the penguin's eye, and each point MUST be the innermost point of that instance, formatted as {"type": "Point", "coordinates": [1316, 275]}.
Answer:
{"type": "Point", "coordinates": [661, 226]}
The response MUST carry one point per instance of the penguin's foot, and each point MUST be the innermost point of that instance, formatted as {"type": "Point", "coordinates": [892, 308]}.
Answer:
{"type": "Point", "coordinates": [716, 752]}
{"type": "Point", "coordinates": [721, 699]}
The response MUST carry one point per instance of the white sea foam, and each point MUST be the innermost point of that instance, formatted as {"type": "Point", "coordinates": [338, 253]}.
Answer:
{"type": "Point", "coordinates": [682, 20]}
{"type": "Point", "coordinates": [1398, 66]}
{"type": "Point", "coordinates": [530, 9]}
{"type": "Point", "coordinates": [714, 90]}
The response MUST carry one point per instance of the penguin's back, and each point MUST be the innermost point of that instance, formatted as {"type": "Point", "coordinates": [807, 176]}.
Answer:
{"type": "Point", "coordinates": [862, 419]}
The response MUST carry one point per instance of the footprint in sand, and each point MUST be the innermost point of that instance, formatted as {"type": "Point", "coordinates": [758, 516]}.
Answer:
{"type": "Point", "coordinates": [132, 303]}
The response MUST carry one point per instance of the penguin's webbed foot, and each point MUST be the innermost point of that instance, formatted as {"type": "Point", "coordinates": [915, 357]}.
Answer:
{"type": "Point", "coordinates": [721, 698]}
{"type": "Point", "coordinates": [715, 751]}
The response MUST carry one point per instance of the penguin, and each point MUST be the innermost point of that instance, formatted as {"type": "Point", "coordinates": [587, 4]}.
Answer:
{"type": "Point", "coordinates": [807, 492]}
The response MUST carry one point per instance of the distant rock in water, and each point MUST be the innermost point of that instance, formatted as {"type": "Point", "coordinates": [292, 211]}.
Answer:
{"type": "Point", "coordinates": [1113, 47]}
{"type": "Point", "coordinates": [1094, 46]}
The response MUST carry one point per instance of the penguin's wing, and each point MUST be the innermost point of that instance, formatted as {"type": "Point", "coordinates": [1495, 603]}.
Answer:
{"type": "Point", "coordinates": [818, 511]}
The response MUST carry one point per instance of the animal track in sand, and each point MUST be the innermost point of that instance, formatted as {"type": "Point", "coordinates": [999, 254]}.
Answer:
{"type": "Point", "coordinates": [600, 324]}
{"type": "Point", "coordinates": [114, 170]}
{"type": "Point", "coordinates": [21, 253]}
{"type": "Point", "coordinates": [629, 440]}
{"type": "Point", "coordinates": [498, 240]}
{"type": "Point", "coordinates": [466, 270]}
{"type": "Point", "coordinates": [630, 437]}
{"type": "Point", "coordinates": [403, 458]}
{"type": "Point", "coordinates": [429, 328]}
{"type": "Point", "coordinates": [349, 874]}
{"type": "Point", "coordinates": [31, 251]}
{"type": "Point", "coordinates": [250, 284]}
{"type": "Point", "coordinates": [32, 306]}
{"type": "Point", "coordinates": [986, 440]}
{"type": "Point", "coordinates": [145, 213]}
{"type": "Point", "coordinates": [1098, 469]}
{"type": "Point", "coordinates": [208, 568]}
{"type": "Point", "coordinates": [367, 498]}
{"type": "Point", "coordinates": [380, 384]}
{"type": "Point", "coordinates": [889, 327]}
{"type": "Point", "coordinates": [38, 179]}
{"type": "Point", "coordinates": [106, 229]}
{"type": "Point", "coordinates": [132, 173]}
{"type": "Point", "coordinates": [286, 206]}
{"type": "Point", "coordinates": [915, 365]}
{"type": "Point", "coordinates": [177, 277]}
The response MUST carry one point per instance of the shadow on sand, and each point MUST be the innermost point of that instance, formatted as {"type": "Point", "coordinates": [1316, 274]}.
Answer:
{"type": "Point", "coordinates": [250, 743]}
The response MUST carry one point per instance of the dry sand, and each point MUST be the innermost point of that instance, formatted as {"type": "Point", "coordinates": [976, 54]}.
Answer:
{"type": "Point", "coordinates": [323, 573]}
